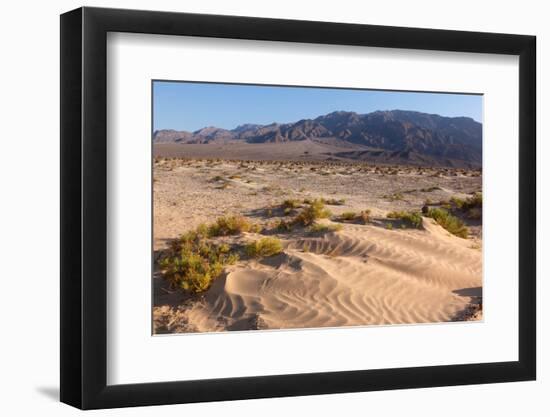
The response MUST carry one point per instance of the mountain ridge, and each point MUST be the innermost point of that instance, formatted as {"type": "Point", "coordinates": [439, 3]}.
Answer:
{"type": "Point", "coordinates": [407, 134]}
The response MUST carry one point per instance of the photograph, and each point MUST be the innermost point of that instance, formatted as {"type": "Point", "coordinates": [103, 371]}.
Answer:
{"type": "Point", "coordinates": [292, 207]}
{"type": "Point", "coordinates": [259, 206]}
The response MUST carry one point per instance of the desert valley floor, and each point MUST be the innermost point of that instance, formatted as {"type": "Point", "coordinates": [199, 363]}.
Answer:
{"type": "Point", "coordinates": [366, 270]}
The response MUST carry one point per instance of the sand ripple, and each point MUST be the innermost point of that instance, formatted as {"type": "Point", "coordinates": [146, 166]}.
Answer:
{"type": "Point", "coordinates": [363, 275]}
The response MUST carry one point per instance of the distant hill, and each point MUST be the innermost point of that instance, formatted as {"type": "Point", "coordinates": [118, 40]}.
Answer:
{"type": "Point", "coordinates": [395, 136]}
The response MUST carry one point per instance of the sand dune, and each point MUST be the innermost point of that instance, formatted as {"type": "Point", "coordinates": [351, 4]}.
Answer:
{"type": "Point", "coordinates": [362, 275]}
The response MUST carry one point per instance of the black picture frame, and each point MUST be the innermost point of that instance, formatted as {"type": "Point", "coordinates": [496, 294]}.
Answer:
{"type": "Point", "coordinates": [84, 207]}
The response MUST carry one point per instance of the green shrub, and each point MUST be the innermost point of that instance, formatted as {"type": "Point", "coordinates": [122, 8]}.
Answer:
{"type": "Point", "coordinates": [389, 226]}
{"type": "Point", "coordinates": [193, 263]}
{"type": "Point", "coordinates": [231, 225]}
{"type": "Point", "coordinates": [324, 228]}
{"type": "Point", "coordinates": [348, 216]}
{"type": "Point", "coordinates": [458, 202]}
{"type": "Point", "coordinates": [449, 222]}
{"type": "Point", "coordinates": [412, 219]}
{"type": "Point", "coordinates": [475, 201]}
{"type": "Point", "coordinates": [314, 211]}
{"type": "Point", "coordinates": [267, 246]}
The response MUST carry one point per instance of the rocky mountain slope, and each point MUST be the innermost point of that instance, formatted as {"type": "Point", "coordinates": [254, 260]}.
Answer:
{"type": "Point", "coordinates": [395, 136]}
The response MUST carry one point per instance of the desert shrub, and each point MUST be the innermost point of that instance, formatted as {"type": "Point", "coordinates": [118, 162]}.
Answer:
{"type": "Point", "coordinates": [411, 218]}
{"type": "Point", "coordinates": [449, 222]}
{"type": "Point", "coordinates": [314, 211]}
{"type": "Point", "coordinates": [256, 228]}
{"type": "Point", "coordinates": [202, 230]}
{"type": "Point", "coordinates": [217, 178]}
{"type": "Point", "coordinates": [389, 226]}
{"type": "Point", "coordinates": [290, 204]}
{"type": "Point", "coordinates": [231, 225]}
{"type": "Point", "coordinates": [193, 263]}
{"type": "Point", "coordinates": [348, 216]}
{"type": "Point", "coordinates": [267, 246]}
{"type": "Point", "coordinates": [283, 226]}
{"type": "Point", "coordinates": [334, 201]}
{"type": "Point", "coordinates": [364, 216]}
{"type": "Point", "coordinates": [458, 202]}
{"type": "Point", "coordinates": [475, 201]}
{"type": "Point", "coordinates": [324, 228]}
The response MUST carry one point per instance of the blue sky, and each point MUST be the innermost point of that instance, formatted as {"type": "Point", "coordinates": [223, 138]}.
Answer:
{"type": "Point", "coordinates": [191, 106]}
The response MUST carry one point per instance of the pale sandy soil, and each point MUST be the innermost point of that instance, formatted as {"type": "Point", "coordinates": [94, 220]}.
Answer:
{"type": "Point", "coordinates": [363, 274]}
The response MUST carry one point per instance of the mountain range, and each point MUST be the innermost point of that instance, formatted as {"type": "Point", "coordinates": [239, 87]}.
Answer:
{"type": "Point", "coordinates": [388, 136]}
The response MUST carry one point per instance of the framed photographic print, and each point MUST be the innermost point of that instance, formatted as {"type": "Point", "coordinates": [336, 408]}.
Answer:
{"type": "Point", "coordinates": [257, 208]}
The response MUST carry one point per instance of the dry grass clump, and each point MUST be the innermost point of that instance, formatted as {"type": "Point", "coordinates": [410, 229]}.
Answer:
{"type": "Point", "coordinates": [324, 228]}
{"type": "Point", "coordinates": [348, 216]}
{"type": "Point", "coordinates": [193, 263]}
{"type": "Point", "coordinates": [410, 218]}
{"type": "Point", "coordinates": [314, 211]}
{"type": "Point", "coordinates": [334, 201]}
{"type": "Point", "coordinates": [351, 216]}
{"type": "Point", "coordinates": [232, 225]}
{"type": "Point", "coordinates": [471, 206]}
{"type": "Point", "coordinates": [449, 222]}
{"type": "Point", "coordinates": [267, 246]}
